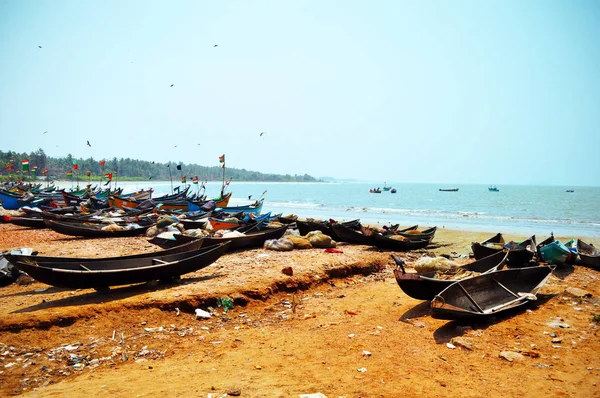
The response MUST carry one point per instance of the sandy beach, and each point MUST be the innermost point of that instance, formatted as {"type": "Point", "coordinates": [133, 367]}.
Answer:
{"type": "Point", "coordinates": [340, 325]}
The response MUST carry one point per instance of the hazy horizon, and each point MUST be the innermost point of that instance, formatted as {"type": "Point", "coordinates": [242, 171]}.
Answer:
{"type": "Point", "coordinates": [464, 92]}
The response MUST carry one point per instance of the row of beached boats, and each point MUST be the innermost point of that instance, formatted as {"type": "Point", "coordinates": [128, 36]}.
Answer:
{"type": "Point", "coordinates": [503, 276]}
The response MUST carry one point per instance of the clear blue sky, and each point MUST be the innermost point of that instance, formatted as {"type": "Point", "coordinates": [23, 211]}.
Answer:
{"type": "Point", "coordinates": [422, 91]}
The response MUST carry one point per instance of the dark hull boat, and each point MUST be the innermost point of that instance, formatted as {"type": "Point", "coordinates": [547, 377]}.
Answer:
{"type": "Point", "coordinates": [588, 254]}
{"type": "Point", "coordinates": [520, 254]}
{"type": "Point", "coordinates": [489, 294]}
{"type": "Point", "coordinates": [388, 242]}
{"type": "Point", "coordinates": [304, 227]}
{"type": "Point", "coordinates": [94, 230]}
{"type": "Point", "coordinates": [103, 274]}
{"type": "Point", "coordinates": [425, 234]}
{"type": "Point", "coordinates": [424, 285]}
{"type": "Point", "coordinates": [449, 190]}
{"type": "Point", "coordinates": [15, 255]}
{"type": "Point", "coordinates": [30, 222]}
{"type": "Point", "coordinates": [350, 235]}
{"type": "Point", "coordinates": [488, 247]}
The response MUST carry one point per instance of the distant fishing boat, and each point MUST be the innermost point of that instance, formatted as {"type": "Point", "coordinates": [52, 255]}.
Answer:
{"type": "Point", "coordinates": [449, 190]}
{"type": "Point", "coordinates": [393, 190]}
{"type": "Point", "coordinates": [493, 188]}
{"type": "Point", "coordinates": [385, 186]}
{"type": "Point", "coordinates": [570, 190]}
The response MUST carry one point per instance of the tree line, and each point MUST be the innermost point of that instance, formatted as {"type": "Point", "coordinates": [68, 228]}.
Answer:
{"type": "Point", "coordinates": [130, 169]}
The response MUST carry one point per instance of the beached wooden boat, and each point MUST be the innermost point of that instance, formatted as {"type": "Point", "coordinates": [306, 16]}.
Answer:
{"type": "Point", "coordinates": [488, 246]}
{"type": "Point", "coordinates": [30, 222]}
{"type": "Point", "coordinates": [289, 219]}
{"type": "Point", "coordinates": [588, 254]}
{"type": "Point", "coordinates": [351, 235]}
{"type": "Point", "coordinates": [254, 208]}
{"type": "Point", "coordinates": [490, 294]}
{"type": "Point", "coordinates": [520, 254]}
{"type": "Point", "coordinates": [250, 239]}
{"type": "Point", "coordinates": [425, 285]}
{"type": "Point", "coordinates": [95, 230]}
{"type": "Point", "coordinates": [555, 253]}
{"type": "Point", "coordinates": [391, 242]}
{"type": "Point", "coordinates": [114, 272]}
{"type": "Point", "coordinates": [15, 255]}
{"type": "Point", "coordinates": [10, 201]}
{"type": "Point", "coordinates": [304, 227]}
{"type": "Point", "coordinates": [415, 234]}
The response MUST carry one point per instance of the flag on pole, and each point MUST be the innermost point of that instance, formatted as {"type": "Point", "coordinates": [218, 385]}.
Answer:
{"type": "Point", "coordinates": [183, 180]}
{"type": "Point", "coordinates": [88, 173]}
{"type": "Point", "coordinates": [34, 169]}
{"type": "Point", "coordinates": [108, 175]}
{"type": "Point", "coordinates": [195, 180]}
{"type": "Point", "coordinates": [116, 171]}
{"type": "Point", "coordinates": [45, 171]}
{"type": "Point", "coordinates": [70, 173]}
{"type": "Point", "coordinates": [222, 158]}
{"type": "Point", "coordinates": [25, 164]}
{"type": "Point", "coordinates": [102, 162]}
{"type": "Point", "coordinates": [75, 165]}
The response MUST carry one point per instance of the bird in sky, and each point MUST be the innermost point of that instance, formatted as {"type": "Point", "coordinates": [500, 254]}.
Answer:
{"type": "Point", "coordinates": [45, 132]}
{"type": "Point", "coordinates": [175, 146]}
{"type": "Point", "coordinates": [88, 144]}
{"type": "Point", "coordinates": [39, 46]}
{"type": "Point", "coordinates": [261, 134]}
{"type": "Point", "coordinates": [57, 146]}
{"type": "Point", "coordinates": [249, 197]}
{"type": "Point", "coordinates": [198, 143]}
{"type": "Point", "coordinates": [172, 85]}
{"type": "Point", "coordinates": [216, 45]}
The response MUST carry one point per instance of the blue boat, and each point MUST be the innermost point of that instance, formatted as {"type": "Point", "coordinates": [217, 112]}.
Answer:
{"type": "Point", "coordinates": [555, 253]}
{"type": "Point", "coordinates": [254, 208]}
{"type": "Point", "coordinates": [10, 201]}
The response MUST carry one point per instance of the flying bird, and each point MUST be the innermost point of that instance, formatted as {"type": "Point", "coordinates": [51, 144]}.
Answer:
{"type": "Point", "coordinates": [175, 146]}
{"type": "Point", "coordinates": [216, 45]}
{"type": "Point", "coordinates": [45, 132]}
{"type": "Point", "coordinates": [261, 134]}
{"type": "Point", "coordinates": [88, 144]}
{"type": "Point", "coordinates": [39, 46]}
{"type": "Point", "coordinates": [172, 85]}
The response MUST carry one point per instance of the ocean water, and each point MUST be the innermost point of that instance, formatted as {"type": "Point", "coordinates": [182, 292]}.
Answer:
{"type": "Point", "coordinates": [517, 209]}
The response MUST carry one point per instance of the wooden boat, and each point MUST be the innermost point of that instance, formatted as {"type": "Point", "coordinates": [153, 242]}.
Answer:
{"type": "Point", "coordinates": [425, 285]}
{"type": "Point", "coordinates": [9, 200]}
{"type": "Point", "coordinates": [490, 294]}
{"type": "Point", "coordinates": [488, 246]}
{"type": "Point", "coordinates": [385, 187]}
{"type": "Point", "coordinates": [304, 227]}
{"type": "Point", "coordinates": [588, 254]}
{"type": "Point", "coordinates": [254, 208]}
{"type": "Point", "coordinates": [520, 254]}
{"type": "Point", "coordinates": [30, 222]}
{"type": "Point", "coordinates": [114, 272]}
{"type": "Point", "coordinates": [249, 240]}
{"type": "Point", "coordinates": [538, 246]}
{"type": "Point", "coordinates": [94, 230]}
{"type": "Point", "coordinates": [389, 242]}
{"type": "Point", "coordinates": [493, 188]}
{"type": "Point", "coordinates": [555, 253]}
{"type": "Point", "coordinates": [448, 189]}
{"type": "Point", "coordinates": [351, 235]}
{"type": "Point", "coordinates": [289, 219]}
{"type": "Point", "coordinates": [220, 202]}
{"type": "Point", "coordinates": [377, 190]}
{"type": "Point", "coordinates": [570, 190]}
{"type": "Point", "coordinates": [425, 234]}
{"type": "Point", "coordinates": [15, 255]}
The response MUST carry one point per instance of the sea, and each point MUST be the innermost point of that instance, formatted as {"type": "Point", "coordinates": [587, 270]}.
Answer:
{"type": "Point", "coordinates": [515, 209]}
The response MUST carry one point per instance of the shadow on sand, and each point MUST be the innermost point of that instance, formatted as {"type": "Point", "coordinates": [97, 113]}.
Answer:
{"type": "Point", "coordinates": [452, 329]}
{"type": "Point", "coordinates": [114, 294]}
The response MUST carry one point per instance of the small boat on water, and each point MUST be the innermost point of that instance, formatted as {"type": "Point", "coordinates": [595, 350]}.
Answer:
{"type": "Point", "coordinates": [448, 189]}
{"type": "Point", "coordinates": [490, 294]}
{"type": "Point", "coordinates": [493, 188]}
{"type": "Point", "coordinates": [393, 190]}
{"type": "Point", "coordinates": [385, 187]}
{"type": "Point", "coordinates": [375, 190]}
{"type": "Point", "coordinates": [588, 254]}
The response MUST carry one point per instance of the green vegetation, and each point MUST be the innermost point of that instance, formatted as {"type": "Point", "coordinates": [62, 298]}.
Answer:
{"type": "Point", "coordinates": [596, 318]}
{"type": "Point", "coordinates": [129, 169]}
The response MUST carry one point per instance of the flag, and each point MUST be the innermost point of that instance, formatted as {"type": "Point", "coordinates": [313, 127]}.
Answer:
{"type": "Point", "coordinates": [183, 179]}
{"type": "Point", "coordinates": [25, 164]}
{"type": "Point", "coordinates": [178, 167]}
{"type": "Point", "coordinates": [88, 173]}
{"type": "Point", "coordinates": [75, 165]}
{"type": "Point", "coordinates": [222, 158]}
{"type": "Point", "coordinates": [116, 171]}
{"type": "Point", "coordinates": [70, 173]}
{"type": "Point", "coordinates": [108, 175]}
{"type": "Point", "coordinates": [34, 169]}
{"type": "Point", "coordinates": [44, 171]}
{"type": "Point", "coordinates": [102, 162]}
{"type": "Point", "coordinates": [195, 180]}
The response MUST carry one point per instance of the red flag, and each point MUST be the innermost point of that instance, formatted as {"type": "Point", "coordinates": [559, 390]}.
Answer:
{"type": "Point", "coordinates": [108, 175]}
{"type": "Point", "coordinates": [102, 162]}
{"type": "Point", "coordinates": [222, 158]}
{"type": "Point", "coordinates": [183, 179]}
{"type": "Point", "coordinates": [89, 173]}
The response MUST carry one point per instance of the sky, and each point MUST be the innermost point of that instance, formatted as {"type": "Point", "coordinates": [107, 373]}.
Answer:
{"type": "Point", "coordinates": [490, 92]}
